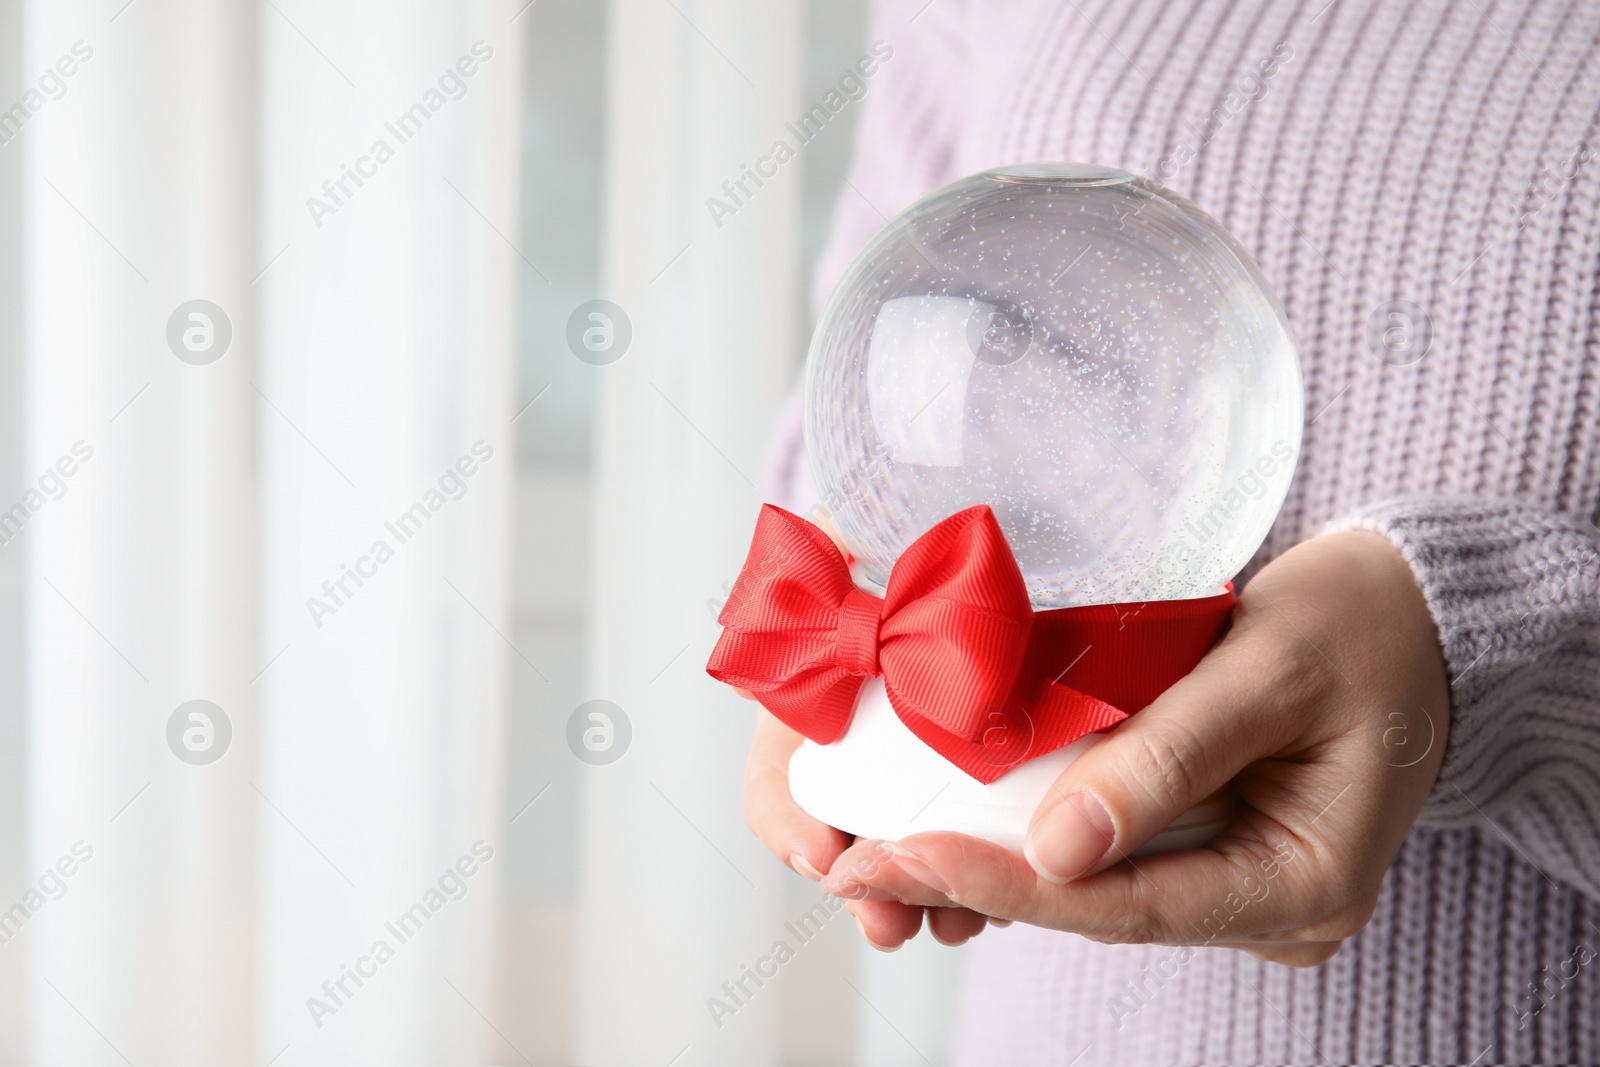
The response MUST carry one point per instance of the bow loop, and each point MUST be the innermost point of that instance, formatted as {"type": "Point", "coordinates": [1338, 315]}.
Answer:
{"type": "Point", "coordinates": [948, 637]}
{"type": "Point", "coordinates": [780, 627]}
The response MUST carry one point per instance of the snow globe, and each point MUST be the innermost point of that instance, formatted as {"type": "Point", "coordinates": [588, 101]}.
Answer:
{"type": "Point", "coordinates": [1051, 410]}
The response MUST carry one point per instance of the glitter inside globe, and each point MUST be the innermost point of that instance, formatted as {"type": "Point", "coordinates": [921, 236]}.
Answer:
{"type": "Point", "coordinates": [1084, 351]}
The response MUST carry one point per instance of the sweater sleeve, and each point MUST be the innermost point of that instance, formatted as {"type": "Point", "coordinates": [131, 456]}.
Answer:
{"type": "Point", "coordinates": [1515, 592]}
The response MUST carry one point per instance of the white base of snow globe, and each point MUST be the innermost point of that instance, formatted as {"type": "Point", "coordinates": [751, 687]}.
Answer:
{"type": "Point", "coordinates": [881, 781]}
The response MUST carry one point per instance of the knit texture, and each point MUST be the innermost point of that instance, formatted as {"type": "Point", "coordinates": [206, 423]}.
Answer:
{"type": "Point", "coordinates": [1429, 152]}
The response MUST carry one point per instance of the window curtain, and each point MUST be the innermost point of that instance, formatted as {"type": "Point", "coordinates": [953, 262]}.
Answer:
{"type": "Point", "coordinates": [675, 894]}
{"type": "Point", "coordinates": [219, 502]}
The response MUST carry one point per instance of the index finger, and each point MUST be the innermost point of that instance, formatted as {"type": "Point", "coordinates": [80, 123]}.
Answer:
{"type": "Point", "coordinates": [1257, 880]}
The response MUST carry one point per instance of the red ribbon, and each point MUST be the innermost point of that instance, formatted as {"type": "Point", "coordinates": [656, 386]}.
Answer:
{"type": "Point", "coordinates": [967, 664]}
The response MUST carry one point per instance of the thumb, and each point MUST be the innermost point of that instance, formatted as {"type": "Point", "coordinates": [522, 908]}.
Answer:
{"type": "Point", "coordinates": [1152, 768]}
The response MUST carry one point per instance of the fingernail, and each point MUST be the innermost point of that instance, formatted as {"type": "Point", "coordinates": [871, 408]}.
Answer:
{"type": "Point", "coordinates": [918, 868]}
{"type": "Point", "coordinates": [1070, 839]}
{"type": "Point", "coordinates": [868, 939]}
{"type": "Point", "coordinates": [798, 862]}
{"type": "Point", "coordinates": [999, 924]}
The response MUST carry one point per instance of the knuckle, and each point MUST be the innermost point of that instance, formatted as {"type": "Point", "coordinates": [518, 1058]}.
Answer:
{"type": "Point", "coordinates": [1258, 864]}
{"type": "Point", "coordinates": [1135, 920]}
{"type": "Point", "coordinates": [1330, 900]}
{"type": "Point", "coordinates": [1287, 674]}
{"type": "Point", "coordinates": [1325, 907]}
{"type": "Point", "coordinates": [1267, 867]}
{"type": "Point", "coordinates": [1161, 763]}
{"type": "Point", "coordinates": [1281, 653]}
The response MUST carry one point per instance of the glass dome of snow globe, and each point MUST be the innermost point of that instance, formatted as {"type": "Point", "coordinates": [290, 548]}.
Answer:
{"type": "Point", "coordinates": [1084, 351]}
{"type": "Point", "coordinates": [1099, 362]}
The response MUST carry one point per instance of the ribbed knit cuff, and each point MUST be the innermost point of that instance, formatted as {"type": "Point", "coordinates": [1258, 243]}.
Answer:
{"type": "Point", "coordinates": [1512, 589]}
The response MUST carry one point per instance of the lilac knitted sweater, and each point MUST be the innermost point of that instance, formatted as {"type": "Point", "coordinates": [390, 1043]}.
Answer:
{"type": "Point", "coordinates": [1365, 152]}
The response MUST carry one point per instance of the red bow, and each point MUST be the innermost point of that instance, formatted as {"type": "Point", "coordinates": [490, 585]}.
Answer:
{"type": "Point", "coordinates": [967, 665]}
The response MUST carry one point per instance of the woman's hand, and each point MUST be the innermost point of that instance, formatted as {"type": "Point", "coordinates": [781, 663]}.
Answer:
{"type": "Point", "coordinates": [812, 848]}
{"type": "Point", "coordinates": [1326, 704]}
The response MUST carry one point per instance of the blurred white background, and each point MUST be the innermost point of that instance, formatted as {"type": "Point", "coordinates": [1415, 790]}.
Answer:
{"type": "Point", "coordinates": [401, 370]}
